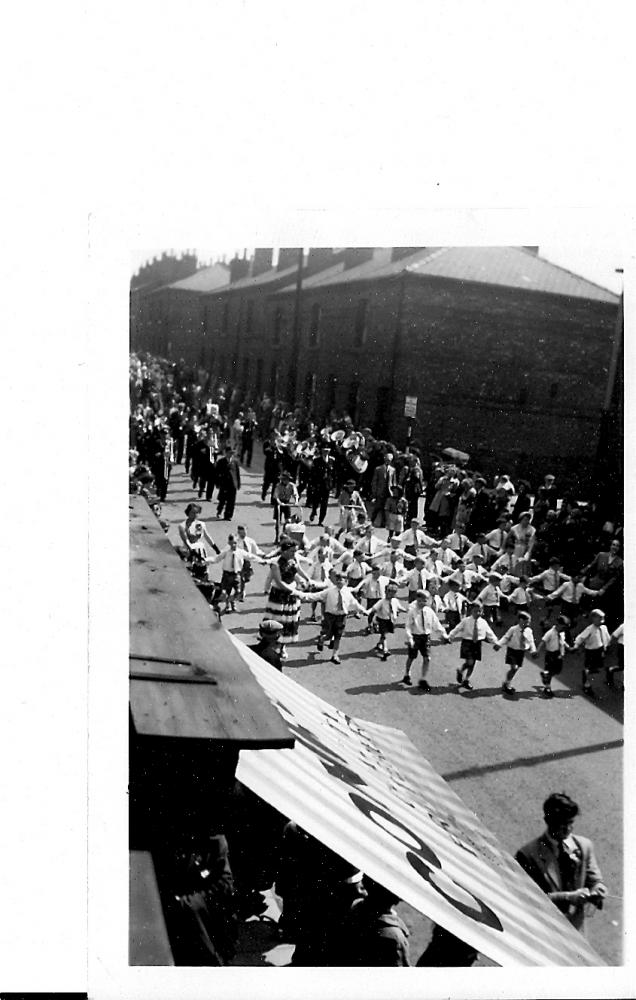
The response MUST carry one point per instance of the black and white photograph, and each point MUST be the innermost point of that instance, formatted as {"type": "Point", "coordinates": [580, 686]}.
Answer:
{"type": "Point", "coordinates": [320, 693]}
{"type": "Point", "coordinates": [376, 608]}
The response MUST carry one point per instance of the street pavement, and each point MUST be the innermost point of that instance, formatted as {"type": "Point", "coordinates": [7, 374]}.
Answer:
{"type": "Point", "coordinates": [502, 756]}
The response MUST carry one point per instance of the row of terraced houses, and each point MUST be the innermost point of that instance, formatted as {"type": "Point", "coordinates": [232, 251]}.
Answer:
{"type": "Point", "coordinates": [511, 357]}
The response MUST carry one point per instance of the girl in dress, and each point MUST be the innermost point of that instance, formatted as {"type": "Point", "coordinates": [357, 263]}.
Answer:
{"type": "Point", "coordinates": [194, 534]}
{"type": "Point", "coordinates": [283, 602]}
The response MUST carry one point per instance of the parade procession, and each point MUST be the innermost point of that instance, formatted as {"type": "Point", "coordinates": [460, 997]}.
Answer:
{"type": "Point", "coordinates": [376, 661]}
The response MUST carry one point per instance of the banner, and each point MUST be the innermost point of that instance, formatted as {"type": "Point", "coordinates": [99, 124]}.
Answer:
{"type": "Point", "coordinates": [366, 792]}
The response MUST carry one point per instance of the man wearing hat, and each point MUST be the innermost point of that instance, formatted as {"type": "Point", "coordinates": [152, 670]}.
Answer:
{"type": "Point", "coordinates": [550, 491]}
{"type": "Point", "coordinates": [321, 483]}
{"type": "Point", "coordinates": [268, 645]}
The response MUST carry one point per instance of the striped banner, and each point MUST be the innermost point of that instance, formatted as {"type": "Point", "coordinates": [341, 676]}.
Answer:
{"type": "Point", "coordinates": [366, 792]}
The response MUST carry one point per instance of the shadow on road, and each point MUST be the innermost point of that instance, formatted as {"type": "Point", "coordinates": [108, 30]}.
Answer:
{"type": "Point", "coordinates": [375, 688]}
{"type": "Point", "coordinates": [471, 772]}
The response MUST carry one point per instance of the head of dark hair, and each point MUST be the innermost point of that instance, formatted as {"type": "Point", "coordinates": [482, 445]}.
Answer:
{"type": "Point", "coordinates": [560, 806]}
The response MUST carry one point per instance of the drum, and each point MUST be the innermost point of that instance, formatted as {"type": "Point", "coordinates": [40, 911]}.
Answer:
{"type": "Point", "coordinates": [338, 437]}
{"type": "Point", "coordinates": [357, 461]}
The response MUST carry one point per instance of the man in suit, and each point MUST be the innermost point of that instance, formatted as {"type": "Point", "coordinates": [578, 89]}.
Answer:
{"type": "Point", "coordinates": [563, 865]}
{"type": "Point", "coordinates": [383, 486]}
{"type": "Point", "coordinates": [321, 483]}
{"type": "Point", "coordinates": [228, 478]}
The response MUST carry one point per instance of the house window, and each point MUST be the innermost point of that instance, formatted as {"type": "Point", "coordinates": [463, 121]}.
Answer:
{"type": "Point", "coordinates": [352, 403]}
{"type": "Point", "coordinates": [382, 411]}
{"type": "Point", "coordinates": [314, 324]}
{"type": "Point", "coordinates": [554, 389]}
{"type": "Point", "coordinates": [273, 380]}
{"type": "Point", "coordinates": [249, 317]}
{"type": "Point", "coordinates": [310, 389]}
{"type": "Point", "coordinates": [523, 395]}
{"type": "Point", "coordinates": [360, 326]}
{"type": "Point", "coordinates": [332, 384]}
{"type": "Point", "coordinates": [279, 320]}
{"type": "Point", "coordinates": [259, 377]}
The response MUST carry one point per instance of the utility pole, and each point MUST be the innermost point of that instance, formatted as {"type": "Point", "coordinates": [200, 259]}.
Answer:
{"type": "Point", "coordinates": [609, 467]}
{"type": "Point", "coordinates": [295, 347]}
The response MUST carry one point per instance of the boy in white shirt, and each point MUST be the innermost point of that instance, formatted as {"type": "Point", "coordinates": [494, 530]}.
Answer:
{"type": "Point", "coordinates": [421, 624]}
{"type": "Point", "coordinates": [319, 573]}
{"type": "Point", "coordinates": [480, 548]}
{"type": "Point", "coordinates": [434, 600]}
{"type": "Point", "coordinates": [249, 546]}
{"type": "Point", "coordinates": [595, 640]}
{"type": "Point", "coordinates": [386, 612]}
{"type": "Point", "coordinates": [520, 598]}
{"type": "Point", "coordinates": [519, 640]}
{"type": "Point", "coordinates": [550, 580]}
{"type": "Point", "coordinates": [570, 593]}
{"type": "Point", "coordinates": [472, 630]}
{"type": "Point", "coordinates": [233, 560]}
{"type": "Point", "coordinates": [490, 598]}
{"type": "Point", "coordinates": [555, 644]}
{"type": "Point", "coordinates": [372, 588]}
{"type": "Point", "coordinates": [416, 578]}
{"type": "Point", "coordinates": [454, 603]}
{"type": "Point", "coordinates": [457, 542]}
{"type": "Point", "coordinates": [338, 601]}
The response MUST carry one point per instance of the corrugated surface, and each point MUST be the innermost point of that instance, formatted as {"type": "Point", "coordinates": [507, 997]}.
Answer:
{"type": "Point", "coordinates": [366, 792]}
{"type": "Point", "coordinates": [510, 267]}
{"type": "Point", "coordinates": [170, 621]}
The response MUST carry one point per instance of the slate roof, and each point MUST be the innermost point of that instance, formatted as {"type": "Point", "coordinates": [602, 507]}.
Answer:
{"type": "Point", "coordinates": [208, 279]}
{"type": "Point", "coordinates": [511, 267]}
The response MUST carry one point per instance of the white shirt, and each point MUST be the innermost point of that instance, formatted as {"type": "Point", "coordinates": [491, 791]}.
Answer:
{"type": "Point", "coordinates": [231, 560]}
{"type": "Point", "coordinates": [330, 596]}
{"type": "Point", "coordinates": [372, 586]}
{"type": "Point", "coordinates": [456, 541]}
{"type": "Point", "coordinates": [454, 601]}
{"type": "Point", "coordinates": [490, 596]}
{"type": "Point", "coordinates": [416, 579]}
{"type": "Point", "coordinates": [593, 637]}
{"type": "Point", "coordinates": [356, 571]}
{"type": "Point", "coordinates": [520, 597]}
{"type": "Point", "coordinates": [394, 570]}
{"type": "Point", "coordinates": [618, 635]}
{"type": "Point", "coordinates": [519, 637]}
{"type": "Point", "coordinates": [422, 621]}
{"type": "Point", "coordinates": [320, 571]}
{"type": "Point", "coordinates": [554, 641]}
{"type": "Point", "coordinates": [465, 630]}
{"type": "Point", "coordinates": [550, 578]}
{"type": "Point", "coordinates": [477, 549]}
{"type": "Point", "coordinates": [388, 609]}
{"type": "Point", "coordinates": [415, 539]}
{"type": "Point", "coordinates": [496, 539]}
{"type": "Point", "coordinates": [447, 557]}
{"type": "Point", "coordinates": [248, 545]}
{"type": "Point", "coordinates": [572, 592]}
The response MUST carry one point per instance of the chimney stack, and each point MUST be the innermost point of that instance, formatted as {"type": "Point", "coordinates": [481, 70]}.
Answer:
{"type": "Point", "coordinates": [238, 269]}
{"type": "Point", "coordinates": [262, 261]}
{"type": "Point", "coordinates": [357, 255]}
{"type": "Point", "coordinates": [287, 257]}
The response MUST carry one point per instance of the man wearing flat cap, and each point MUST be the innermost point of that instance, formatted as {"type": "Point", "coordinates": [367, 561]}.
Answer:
{"type": "Point", "coordinates": [268, 645]}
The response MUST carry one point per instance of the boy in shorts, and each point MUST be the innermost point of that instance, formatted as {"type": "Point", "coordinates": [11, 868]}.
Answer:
{"type": "Point", "coordinates": [555, 644]}
{"type": "Point", "coordinates": [519, 640]}
{"type": "Point", "coordinates": [386, 611]}
{"type": "Point", "coordinates": [472, 630]}
{"type": "Point", "coordinates": [595, 640]}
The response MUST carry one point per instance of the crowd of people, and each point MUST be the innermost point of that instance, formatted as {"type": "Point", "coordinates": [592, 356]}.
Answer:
{"type": "Point", "coordinates": [420, 540]}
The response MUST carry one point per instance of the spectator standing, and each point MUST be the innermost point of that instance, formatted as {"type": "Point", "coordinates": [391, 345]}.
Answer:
{"type": "Point", "coordinates": [564, 865]}
{"type": "Point", "coordinates": [228, 477]}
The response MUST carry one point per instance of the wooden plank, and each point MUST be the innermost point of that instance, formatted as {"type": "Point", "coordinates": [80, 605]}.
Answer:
{"type": "Point", "coordinates": [170, 620]}
{"type": "Point", "coordinates": [148, 942]}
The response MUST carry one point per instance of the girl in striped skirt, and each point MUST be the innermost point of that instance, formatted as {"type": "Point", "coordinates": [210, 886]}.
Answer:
{"type": "Point", "coordinates": [283, 602]}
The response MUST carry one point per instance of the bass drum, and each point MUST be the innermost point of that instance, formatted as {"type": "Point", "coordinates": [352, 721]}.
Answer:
{"type": "Point", "coordinates": [357, 462]}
